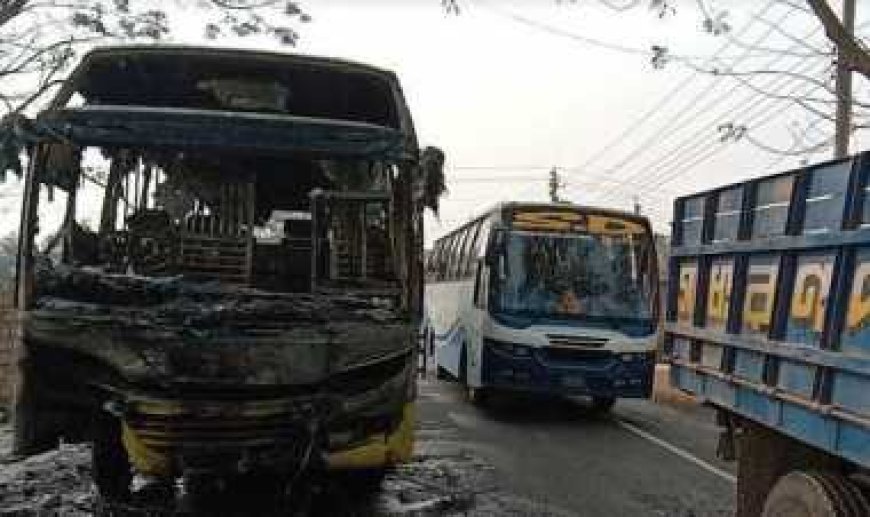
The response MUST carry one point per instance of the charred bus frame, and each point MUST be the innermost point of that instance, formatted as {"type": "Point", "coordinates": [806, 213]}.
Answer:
{"type": "Point", "coordinates": [188, 330]}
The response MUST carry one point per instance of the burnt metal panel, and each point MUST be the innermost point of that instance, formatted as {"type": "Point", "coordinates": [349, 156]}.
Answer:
{"type": "Point", "coordinates": [180, 128]}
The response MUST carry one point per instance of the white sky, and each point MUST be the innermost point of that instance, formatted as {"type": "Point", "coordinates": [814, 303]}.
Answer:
{"type": "Point", "coordinates": [507, 100]}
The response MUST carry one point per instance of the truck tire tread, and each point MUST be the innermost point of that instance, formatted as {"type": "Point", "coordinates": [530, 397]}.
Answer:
{"type": "Point", "coordinates": [800, 489]}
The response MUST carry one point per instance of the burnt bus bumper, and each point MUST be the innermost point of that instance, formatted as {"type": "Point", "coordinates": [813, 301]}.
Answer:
{"type": "Point", "coordinates": [326, 425]}
{"type": "Point", "coordinates": [341, 398]}
{"type": "Point", "coordinates": [567, 371]}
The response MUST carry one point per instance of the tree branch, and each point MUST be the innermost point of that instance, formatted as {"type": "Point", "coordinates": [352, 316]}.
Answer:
{"type": "Point", "coordinates": [849, 50]}
{"type": "Point", "coordinates": [9, 9]}
{"type": "Point", "coordinates": [793, 150]}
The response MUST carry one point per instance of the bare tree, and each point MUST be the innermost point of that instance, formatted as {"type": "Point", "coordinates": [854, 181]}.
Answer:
{"type": "Point", "coordinates": [849, 48]}
{"type": "Point", "coordinates": [40, 38]}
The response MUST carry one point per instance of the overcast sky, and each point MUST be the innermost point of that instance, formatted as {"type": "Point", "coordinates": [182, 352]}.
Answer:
{"type": "Point", "coordinates": [510, 89]}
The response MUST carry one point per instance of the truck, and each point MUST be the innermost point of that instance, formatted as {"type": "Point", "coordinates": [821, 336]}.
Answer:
{"type": "Point", "coordinates": [220, 266]}
{"type": "Point", "coordinates": [768, 321]}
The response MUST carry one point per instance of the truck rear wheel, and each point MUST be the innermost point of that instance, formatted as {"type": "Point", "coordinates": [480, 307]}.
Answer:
{"type": "Point", "coordinates": [815, 494]}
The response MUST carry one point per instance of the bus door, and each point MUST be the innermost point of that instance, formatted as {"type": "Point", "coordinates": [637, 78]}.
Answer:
{"type": "Point", "coordinates": [478, 315]}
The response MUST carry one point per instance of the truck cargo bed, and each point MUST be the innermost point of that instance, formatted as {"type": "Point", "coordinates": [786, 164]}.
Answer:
{"type": "Point", "coordinates": [769, 303]}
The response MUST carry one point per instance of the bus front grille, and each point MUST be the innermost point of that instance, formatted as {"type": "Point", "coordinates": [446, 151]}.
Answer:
{"type": "Point", "coordinates": [163, 424]}
{"type": "Point", "coordinates": [566, 355]}
{"type": "Point", "coordinates": [559, 340]}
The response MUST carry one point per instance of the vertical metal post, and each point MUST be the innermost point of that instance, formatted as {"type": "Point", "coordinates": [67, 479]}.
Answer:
{"type": "Point", "coordinates": [314, 196]}
{"type": "Point", "coordinates": [844, 89]}
{"type": "Point", "coordinates": [250, 215]}
{"type": "Point", "coordinates": [364, 259]}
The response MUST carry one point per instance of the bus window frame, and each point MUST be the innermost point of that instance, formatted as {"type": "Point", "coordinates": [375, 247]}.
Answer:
{"type": "Point", "coordinates": [444, 258]}
{"type": "Point", "coordinates": [469, 248]}
{"type": "Point", "coordinates": [455, 251]}
{"type": "Point", "coordinates": [480, 298]}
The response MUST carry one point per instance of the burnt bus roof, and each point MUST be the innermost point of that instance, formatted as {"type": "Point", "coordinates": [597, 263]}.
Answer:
{"type": "Point", "coordinates": [357, 107]}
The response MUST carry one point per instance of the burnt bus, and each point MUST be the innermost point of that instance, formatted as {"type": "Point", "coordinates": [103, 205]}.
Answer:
{"type": "Point", "coordinates": [220, 265]}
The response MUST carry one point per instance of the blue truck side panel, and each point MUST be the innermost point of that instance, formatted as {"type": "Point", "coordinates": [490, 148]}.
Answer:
{"type": "Point", "coordinates": [769, 303]}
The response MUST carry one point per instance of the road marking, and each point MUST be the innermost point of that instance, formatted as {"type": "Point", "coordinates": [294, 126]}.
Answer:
{"type": "Point", "coordinates": [676, 450]}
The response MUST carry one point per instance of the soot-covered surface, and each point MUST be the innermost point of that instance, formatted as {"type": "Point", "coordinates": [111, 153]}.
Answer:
{"type": "Point", "coordinates": [444, 478]}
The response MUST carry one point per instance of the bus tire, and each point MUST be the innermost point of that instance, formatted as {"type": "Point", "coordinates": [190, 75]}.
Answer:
{"type": "Point", "coordinates": [601, 405]}
{"type": "Point", "coordinates": [814, 494]}
{"type": "Point", "coordinates": [479, 397]}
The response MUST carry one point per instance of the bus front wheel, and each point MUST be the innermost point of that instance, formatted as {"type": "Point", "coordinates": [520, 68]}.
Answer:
{"type": "Point", "coordinates": [478, 397]}
{"type": "Point", "coordinates": [602, 405]}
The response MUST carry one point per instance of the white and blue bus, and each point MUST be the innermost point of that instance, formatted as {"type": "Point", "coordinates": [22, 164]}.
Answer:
{"type": "Point", "coordinates": [546, 298]}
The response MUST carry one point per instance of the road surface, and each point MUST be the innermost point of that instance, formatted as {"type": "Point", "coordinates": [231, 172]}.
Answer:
{"type": "Point", "coordinates": [520, 458]}
{"type": "Point", "coordinates": [643, 459]}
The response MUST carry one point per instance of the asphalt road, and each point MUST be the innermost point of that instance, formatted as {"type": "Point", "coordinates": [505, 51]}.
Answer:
{"type": "Point", "coordinates": [519, 458]}
{"type": "Point", "coordinates": [642, 459]}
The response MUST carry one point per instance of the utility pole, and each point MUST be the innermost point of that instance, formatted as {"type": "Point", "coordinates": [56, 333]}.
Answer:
{"type": "Point", "coordinates": [637, 208]}
{"type": "Point", "coordinates": [844, 89]}
{"type": "Point", "coordinates": [554, 185]}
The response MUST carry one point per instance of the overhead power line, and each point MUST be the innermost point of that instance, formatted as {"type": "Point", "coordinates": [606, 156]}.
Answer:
{"type": "Point", "coordinates": [670, 96]}
{"type": "Point", "coordinates": [649, 52]}
{"type": "Point", "coordinates": [694, 108]}
{"type": "Point", "coordinates": [689, 108]}
{"type": "Point", "coordinates": [654, 175]}
{"type": "Point", "coordinates": [644, 173]}
{"type": "Point", "coordinates": [720, 146]}
{"type": "Point", "coordinates": [742, 112]}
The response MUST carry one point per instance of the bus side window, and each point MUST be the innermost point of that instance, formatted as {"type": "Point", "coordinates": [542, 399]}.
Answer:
{"type": "Point", "coordinates": [455, 267]}
{"type": "Point", "coordinates": [444, 258]}
{"type": "Point", "coordinates": [469, 251]}
{"type": "Point", "coordinates": [483, 239]}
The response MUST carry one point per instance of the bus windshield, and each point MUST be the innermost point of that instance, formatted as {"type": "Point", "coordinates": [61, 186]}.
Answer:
{"type": "Point", "coordinates": [584, 276]}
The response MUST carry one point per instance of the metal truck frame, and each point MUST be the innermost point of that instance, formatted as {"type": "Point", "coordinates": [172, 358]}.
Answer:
{"type": "Point", "coordinates": [769, 321]}
{"type": "Point", "coordinates": [246, 292]}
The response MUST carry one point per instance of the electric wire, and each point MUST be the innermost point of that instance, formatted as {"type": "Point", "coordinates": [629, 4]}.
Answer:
{"type": "Point", "coordinates": [686, 145]}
